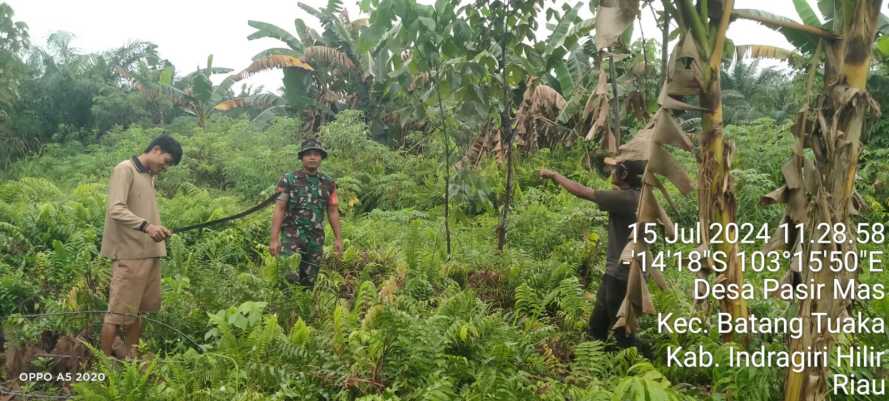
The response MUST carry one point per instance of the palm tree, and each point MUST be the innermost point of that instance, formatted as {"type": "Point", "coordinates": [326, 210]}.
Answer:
{"type": "Point", "coordinates": [15, 34]}
{"type": "Point", "coordinates": [750, 92]}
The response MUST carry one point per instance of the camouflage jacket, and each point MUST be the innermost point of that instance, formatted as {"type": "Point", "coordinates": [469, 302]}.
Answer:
{"type": "Point", "coordinates": [307, 199]}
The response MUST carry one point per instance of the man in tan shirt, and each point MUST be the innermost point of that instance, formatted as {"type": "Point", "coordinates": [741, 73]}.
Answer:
{"type": "Point", "coordinates": [134, 240]}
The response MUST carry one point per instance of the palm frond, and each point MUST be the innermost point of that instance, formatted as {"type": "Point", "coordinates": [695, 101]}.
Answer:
{"type": "Point", "coordinates": [359, 23]}
{"type": "Point", "coordinates": [176, 96]}
{"type": "Point", "coordinates": [311, 10]}
{"type": "Point", "coordinates": [770, 52]}
{"type": "Point", "coordinates": [804, 37]}
{"type": "Point", "coordinates": [207, 71]}
{"type": "Point", "coordinates": [276, 51]}
{"type": "Point", "coordinates": [324, 55]}
{"type": "Point", "coordinates": [267, 30]}
{"type": "Point", "coordinates": [221, 91]}
{"type": "Point", "coordinates": [267, 115]}
{"type": "Point", "coordinates": [273, 62]}
{"type": "Point", "coordinates": [260, 101]}
{"type": "Point", "coordinates": [308, 36]}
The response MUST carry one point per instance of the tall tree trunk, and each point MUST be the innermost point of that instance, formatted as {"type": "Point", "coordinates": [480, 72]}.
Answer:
{"type": "Point", "coordinates": [202, 117]}
{"type": "Point", "coordinates": [447, 163]}
{"type": "Point", "coordinates": [665, 40]}
{"type": "Point", "coordinates": [615, 117]}
{"type": "Point", "coordinates": [716, 198]}
{"type": "Point", "coordinates": [506, 135]}
{"type": "Point", "coordinates": [693, 69]}
{"type": "Point", "coordinates": [716, 184]}
{"type": "Point", "coordinates": [843, 104]}
{"type": "Point", "coordinates": [703, 39]}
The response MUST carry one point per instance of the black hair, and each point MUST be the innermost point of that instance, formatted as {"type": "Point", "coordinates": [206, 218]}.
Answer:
{"type": "Point", "coordinates": [630, 171]}
{"type": "Point", "coordinates": [167, 145]}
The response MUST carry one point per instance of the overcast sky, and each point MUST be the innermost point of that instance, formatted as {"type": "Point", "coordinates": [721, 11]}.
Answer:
{"type": "Point", "coordinates": [187, 31]}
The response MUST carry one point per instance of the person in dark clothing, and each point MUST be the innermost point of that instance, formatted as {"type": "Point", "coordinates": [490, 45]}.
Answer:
{"type": "Point", "coordinates": [621, 205]}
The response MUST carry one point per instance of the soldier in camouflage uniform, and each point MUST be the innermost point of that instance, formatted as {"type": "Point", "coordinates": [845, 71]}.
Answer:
{"type": "Point", "coordinates": [306, 195]}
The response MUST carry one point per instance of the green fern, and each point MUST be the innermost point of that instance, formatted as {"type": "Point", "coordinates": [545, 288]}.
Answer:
{"type": "Point", "coordinates": [130, 381]}
{"type": "Point", "coordinates": [365, 297]}
{"type": "Point", "coordinates": [528, 302]}
{"type": "Point", "coordinates": [590, 363]}
{"type": "Point", "coordinates": [644, 383]}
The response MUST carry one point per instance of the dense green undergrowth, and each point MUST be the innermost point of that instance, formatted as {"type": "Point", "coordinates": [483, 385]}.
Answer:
{"type": "Point", "coordinates": [393, 319]}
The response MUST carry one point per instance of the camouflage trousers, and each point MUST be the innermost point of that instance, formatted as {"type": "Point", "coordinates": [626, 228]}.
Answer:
{"type": "Point", "coordinates": [310, 250]}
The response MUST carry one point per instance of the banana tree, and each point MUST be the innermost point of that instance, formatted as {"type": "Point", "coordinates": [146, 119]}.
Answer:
{"type": "Point", "coordinates": [614, 20]}
{"type": "Point", "coordinates": [194, 93]}
{"type": "Point", "coordinates": [322, 72]}
{"type": "Point", "coordinates": [555, 71]}
{"type": "Point", "coordinates": [693, 70]}
{"type": "Point", "coordinates": [820, 189]}
{"type": "Point", "coordinates": [705, 25]}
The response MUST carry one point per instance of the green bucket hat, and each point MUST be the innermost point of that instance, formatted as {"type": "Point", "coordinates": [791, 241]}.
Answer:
{"type": "Point", "coordinates": [312, 144]}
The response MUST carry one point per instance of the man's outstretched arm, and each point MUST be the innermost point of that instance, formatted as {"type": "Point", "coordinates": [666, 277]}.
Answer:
{"type": "Point", "coordinates": [572, 186]}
